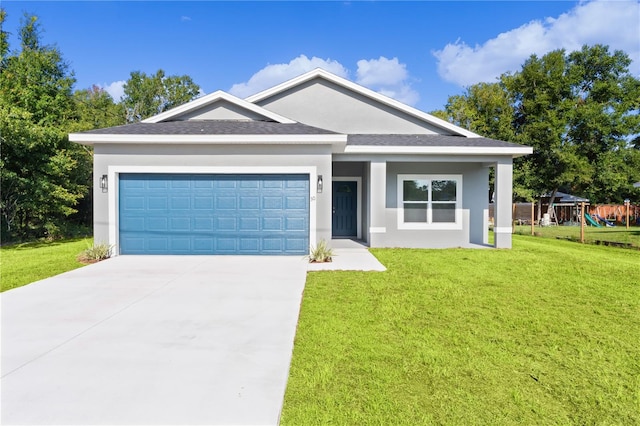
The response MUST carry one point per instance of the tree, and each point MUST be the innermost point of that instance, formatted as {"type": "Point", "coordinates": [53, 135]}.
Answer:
{"type": "Point", "coordinates": [486, 109]}
{"type": "Point", "coordinates": [145, 96]}
{"type": "Point", "coordinates": [579, 111]}
{"type": "Point", "coordinates": [96, 109]}
{"type": "Point", "coordinates": [43, 175]}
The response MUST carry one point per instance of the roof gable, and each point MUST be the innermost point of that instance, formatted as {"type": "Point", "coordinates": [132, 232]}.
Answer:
{"type": "Point", "coordinates": [365, 110]}
{"type": "Point", "coordinates": [218, 105]}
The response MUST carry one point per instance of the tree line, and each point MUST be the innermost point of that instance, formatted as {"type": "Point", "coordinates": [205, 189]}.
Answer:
{"type": "Point", "coordinates": [579, 110]}
{"type": "Point", "coordinates": [45, 179]}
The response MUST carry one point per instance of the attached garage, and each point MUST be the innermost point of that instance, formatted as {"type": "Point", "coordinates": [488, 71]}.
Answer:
{"type": "Point", "coordinates": [258, 214]}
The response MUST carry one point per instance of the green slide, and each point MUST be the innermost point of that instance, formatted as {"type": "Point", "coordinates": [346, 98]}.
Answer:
{"type": "Point", "coordinates": [591, 221]}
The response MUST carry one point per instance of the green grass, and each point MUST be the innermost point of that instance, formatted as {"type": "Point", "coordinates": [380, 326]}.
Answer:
{"type": "Point", "coordinates": [545, 333]}
{"type": "Point", "coordinates": [616, 234]}
{"type": "Point", "coordinates": [22, 264]}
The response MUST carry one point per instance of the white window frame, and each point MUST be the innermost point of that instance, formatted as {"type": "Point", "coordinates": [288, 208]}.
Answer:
{"type": "Point", "coordinates": [429, 224]}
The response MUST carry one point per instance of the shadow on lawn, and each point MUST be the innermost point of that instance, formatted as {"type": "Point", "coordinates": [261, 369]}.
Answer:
{"type": "Point", "coordinates": [40, 244]}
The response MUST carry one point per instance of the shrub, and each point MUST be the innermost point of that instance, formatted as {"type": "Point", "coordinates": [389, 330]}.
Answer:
{"type": "Point", "coordinates": [321, 253]}
{"type": "Point", "coordinates": [95, 254]}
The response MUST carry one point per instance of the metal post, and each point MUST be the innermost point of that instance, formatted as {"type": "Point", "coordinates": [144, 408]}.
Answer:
{"type": "Point", "coordinates": [582, 220]}
{"type": "Point", "coordinates": [626, 203]}
{"type": "Point", "coordinates": [532, 219]}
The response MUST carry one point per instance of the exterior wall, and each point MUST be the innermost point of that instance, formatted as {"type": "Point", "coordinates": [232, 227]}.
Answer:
{"type": "Point", "coordinates": [221, 110]}
{"type": "Point", "coordinates": [326, 105]}
{"type": "Point", "coordinates": [109, 158]}
{"type": "Point", "coordinates": [475, 189]}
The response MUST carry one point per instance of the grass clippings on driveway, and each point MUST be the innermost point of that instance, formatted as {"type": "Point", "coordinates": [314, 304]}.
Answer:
{"type": "Point", "coordinates": [545, 333]}
{"type": "Point", "coordinates": [22, 264]}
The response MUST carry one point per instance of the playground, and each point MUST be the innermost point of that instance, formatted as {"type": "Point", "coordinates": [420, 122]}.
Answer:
{"type": "Point", "coordinates": [618, 236]}
{"type": "Point", "coordinates": [573, 218]}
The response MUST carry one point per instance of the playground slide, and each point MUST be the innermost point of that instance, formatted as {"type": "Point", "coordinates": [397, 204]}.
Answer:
{"type": "Point", "coordinates": [591, 221]}
{"type": "Point", "coordinates": [608, 223]}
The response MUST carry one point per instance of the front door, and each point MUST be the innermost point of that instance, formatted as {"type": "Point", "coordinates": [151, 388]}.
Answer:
{"type": "Point", "coordinates": [345, 209]}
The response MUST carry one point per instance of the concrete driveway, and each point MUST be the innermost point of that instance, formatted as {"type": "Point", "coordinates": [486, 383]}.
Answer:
{"type": "Point", "coordinates": [152, 340]}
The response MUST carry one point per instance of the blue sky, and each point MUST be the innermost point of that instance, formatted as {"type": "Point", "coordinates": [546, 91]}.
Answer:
{"type": "Point", "coordinates": [417, 52]}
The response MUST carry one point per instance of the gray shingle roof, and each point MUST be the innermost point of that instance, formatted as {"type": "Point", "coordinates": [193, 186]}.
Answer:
{"type": "Point", "coordinates": [212, 127]}
{"type": "Point", "coordinates": [427, 140]}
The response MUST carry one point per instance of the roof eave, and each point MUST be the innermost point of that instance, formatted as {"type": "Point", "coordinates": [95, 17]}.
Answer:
{"type": "Point", "coordinates": [212, 98]}
{"type": "Point", "coordinates": [439, 150]}
{"type": "Point", "coordinates": [93, 138]}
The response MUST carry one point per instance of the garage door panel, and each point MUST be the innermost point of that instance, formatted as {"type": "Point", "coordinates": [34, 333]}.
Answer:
{"type": "Point", "coordinates": [249, 224]}
{"type": "Point", "coordinates": [298, 203]}
{"type": "Point", "coordinates": [180, 224]}
{"type": "Point", "coordinates": [226, 224]}
{"type": "Point", "coordinates": [272, 224]}
{"type": "Point", "coordinates": [203, 203]}
{"type": "Point", "coordinates": [214, 214]}
{"type": "Point", "coordinates": [158, 184]}
{"type": "Point", "coordinates": [249, 202]}
{"type": "Point", "coordinates": [158, 203]}
{"type": "Point", "coordinates": [226, 202]}
{"type": "Point", "coordinates": [180, 245]}
{"type": "Point", "coordinates": [180, 203]}
{"type": "Point", "coordinates": [156, 224]}
{"type": "Point", "coordinates": [203, 224]}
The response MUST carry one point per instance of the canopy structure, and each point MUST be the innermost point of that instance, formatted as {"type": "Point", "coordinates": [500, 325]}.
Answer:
{"type": "Point", "coordinates": [565, 208]}
{"type": "Point", "coordinates": [564, 199]}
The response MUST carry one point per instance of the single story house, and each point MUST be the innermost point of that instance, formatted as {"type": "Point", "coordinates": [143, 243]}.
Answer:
{"type": "Point", "coordinates": [315, 158]}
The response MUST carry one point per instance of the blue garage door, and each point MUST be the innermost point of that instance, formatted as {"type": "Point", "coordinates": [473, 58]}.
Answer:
{"type": "Point", "coordinates": [214, 214]}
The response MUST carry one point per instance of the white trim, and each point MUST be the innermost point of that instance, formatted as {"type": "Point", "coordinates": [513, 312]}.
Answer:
{"type": "Point", "coordinates": [429, 225]}
{"type": "Point", "coordinates": [114, 172]}
{"type": "Point", "coordinates": [318, 72]}
{"type": "Point", "coordinates": [213, 98]}
{"type": "Point", "coordinates": [485, 226]}
{"type": "Point", "coordinates": [377, 230]}
{"type": "Point", "coordinates": [502, 229]}
{"type": "Point", "coordinates": [358, 181]}
{"type": "Point", "coordinates": [438, 150]}
{"type": "Point", "coordinates": [91, 138]}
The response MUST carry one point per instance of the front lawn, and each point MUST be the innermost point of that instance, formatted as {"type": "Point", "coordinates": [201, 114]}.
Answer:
{"type": "Point", "coordinates": [545, 333]}
{"type": "Point", "coordinates": [22, 264]}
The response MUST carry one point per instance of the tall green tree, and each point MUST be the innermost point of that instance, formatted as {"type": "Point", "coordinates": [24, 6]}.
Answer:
{"type": "Point", "coordinates": [148, 95]}
{"type": "Point", "coordinates": [579, 111]}
{"type": "Point", "coordinates": [95, 109]}
{"type": "Point", "coordinates": [43, 175]}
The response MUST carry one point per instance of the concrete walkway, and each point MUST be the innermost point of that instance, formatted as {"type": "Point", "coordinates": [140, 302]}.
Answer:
{"type": "Point", "coordinates": [152, 340]}
{"type": "Point", "coordinates": [350, 255]}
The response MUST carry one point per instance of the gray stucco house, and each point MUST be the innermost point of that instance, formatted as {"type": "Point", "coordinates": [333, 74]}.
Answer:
{"type": "Point", "coordinates": [317, 157]}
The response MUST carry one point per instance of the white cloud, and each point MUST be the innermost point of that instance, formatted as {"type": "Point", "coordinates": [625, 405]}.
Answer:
{"type": "Point", "coordinates": [272, 75]}
{"type": "Point", "coordinates": [185, 18]}
{"type": "Point", "coordinates": [614, 23]}
{"type": "Point", "coordinates": [388, 77]}
{"type": "Point", "coordinates": [381, 72]}
{"type": "Point", "coordinates": [115, 89]}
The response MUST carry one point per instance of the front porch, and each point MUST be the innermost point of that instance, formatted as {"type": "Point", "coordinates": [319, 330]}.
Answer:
{"type": "Point", "coordinates": [368, 204]}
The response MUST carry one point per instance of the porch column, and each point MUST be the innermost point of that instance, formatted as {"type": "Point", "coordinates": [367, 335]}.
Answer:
{"type": "Point", "coordinates": [377, 200]}
{"type": "Point", "coordinates": [504, 201]}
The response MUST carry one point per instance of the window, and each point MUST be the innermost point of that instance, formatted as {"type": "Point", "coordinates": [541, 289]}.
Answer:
{"type": "Point", "coordinates": [429, 201]}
